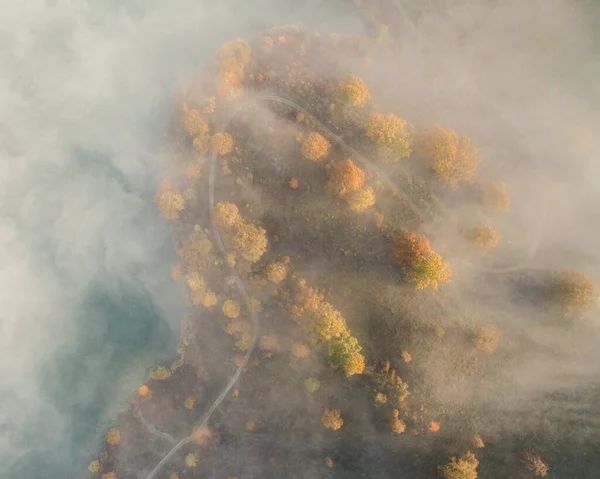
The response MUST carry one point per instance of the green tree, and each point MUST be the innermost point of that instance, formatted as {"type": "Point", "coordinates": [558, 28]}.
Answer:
{"type": "Point", "coordinates": [344, 354]}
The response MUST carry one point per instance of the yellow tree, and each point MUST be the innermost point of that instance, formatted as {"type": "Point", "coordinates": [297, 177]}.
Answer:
{"type": "Point", "coordinates": [332, 419]}
{"type": "Point", "coordinates": [454, 159]}
{"type": "Point", "coordinates": [535, 465]}
{"type": "Point", "coordinates": [392, 135]}
{"type": "Point", "coordinates": [361, 199]}
{"type": "Point", "coordinates": [346, 178]}
{"type": "Point", "coordinates": [424, 267]}
{"type": "Point", "coordinates": [250, 241]}
{"type": "Point", "coordinates": [484, 237]}
{"type": "Point", "coordinates": [168, 202]}
{"type": "Point", "coordinates": [221, 143]}
{"type": "Point", "coordinates": [352, 90]}
{"type": "Point", "coordinates": [234, 57]}
{"type": "Point", "coordinates": [226, 215]}
{"type": "Point", "coordinates": [194, 123]}
{"type": "Point", "coordinates": [573, 290]}
{"type": "Point", "coordinates": [315, 147]}
{"type": "Point", "coordinates": [463, 468]}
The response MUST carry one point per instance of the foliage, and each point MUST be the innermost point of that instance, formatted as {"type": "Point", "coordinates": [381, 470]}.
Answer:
{"type": "Point", "coordinates": [398, 425]}
{"type": "Point", "coordinates": [231, 308]}
{"type": "Point", "coordinates": [362, 199]}
{"type": "Point", "coordinates": [300, 350]}
{"type": "Point", "coordinates": [332, 419]}
{"type": "Point", "coordinates": [344, 353]}
{"type": "Point", "coordinates": [346, 178]}
{"type": "Point", "coordinates": [406, 357]}
{"type": "Point", "coordinates": [191, 459]}
{"type": "Point", "coordinates": [484, 236]}
{"type": "Point", "coordinates": [454, 159]}
{"type": "Point", "coordinates": [429, 272]}
{"type": "Point", "coordinates": [352, 90]}
{"type": "Point", "coordinates": [94, 467]}
{"type": "Point", "coordinates": [244, 343]}
{"type": "Point", "coordinates": [312, 384]}
{"type": "Point", "coordinates": [233, 59]}
{"type": "Point", "coordinates": [226, 215]}
{"type": "Point", "coordinates": [221, 143]}
{"type": "Point", "coordinates": [330, 322]}
{"type": "Point", "coordinates": [477, 441]}
{"type": "Point", "coordinates": [250, 241]}
{"type": "Point", "coordinates": [574, 291]}
{"type": "Point", "coordinates": [495, 197]}
{"type": "Point", "coordinates": [160, 373]}
{"type": "Point", "coordinates": [535, 465]}
{"type": "Point", "coordinates": [109, 475]}
{"type": "Point", "coordinates": [277, 272]}
{"type": "Point", "coordinates": [113, 436]}
{"type": "Point", "coordinates": [434, 426]}
{"type": "Point", "coordinates": [392, 135]}
{"type": "Point", "coordinates": [486, 339]}
{"type": "Point", "coordinates": [193, 123]}
{"type": "Point", "coordinates": [189, 403]}
{"type": "Point", "coordinates": [463, 468]}
{"type": "Point", "coordinates": [168, 201]}
{"type": "Point", "coordinates": [387, 380]}
{"type": "Point", "coordinates": [315, 147]}
{"type": "Point", "coordinates": [411, 247]}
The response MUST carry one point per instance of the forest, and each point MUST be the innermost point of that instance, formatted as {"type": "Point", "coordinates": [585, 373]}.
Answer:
{"type": "Point", "coordinates": [356, 301]}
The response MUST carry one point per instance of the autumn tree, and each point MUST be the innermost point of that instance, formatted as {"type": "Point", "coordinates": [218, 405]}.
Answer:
{"type": "Point", "coordinates": [392, 135]}
{"type": "Point", "coordinates": [387, 381]}
{"type": "Point", "coordinates": [168, 201]}
{"type": "Point", "coordinates": [344, 354]}
{"type": "Point", "coordinates": [453, 158]}
{"type": "Point", "coordinates": [463, 468]}
{"type": "Point", "coordinates": [535, 465]}
{"type": "Point", "coordinates": [226, 215]}
{"type": "Point", "coordinates": [332, 419]}
{"type": "Point", "coordinates": [486, 338]}
{"type": "Point", "coordinates": [398, 425]}
{"type": "Point", "coordinates": [231, 309]}
{"type": "Point", "coordinates": [193, 123]}
{"type": "Point", "coordinates": [352, 90]}
{"type": "Point", "coordinates": [277, 272]}
{"type": "Point", "coordinates": [424, 267]}
{"type": "Point", "coordinates": [361, 199]}
{"type": "Point", "coordinates": [249, 241]}
{"type": "Point", "coordinates": [113, 436]}
{"type": "Point", "coordinates": [233, 59]}
{"type": "Point", "coordinates": [573, 291]}
{"type": "Point", "coordinates": [410, 247]}
{"type": "Point", "coordinates": [346, 178]}
{"type": "Point", "coordinates": [221, 143]}
{"type": "Point", "coordinates": [329, 322]}
{"type": "Point", "coordinates": [484, 237]}
{"type": "Point", "coordinates": [315, 147]}
{"type": "Point", "coordinates": [494, 197]}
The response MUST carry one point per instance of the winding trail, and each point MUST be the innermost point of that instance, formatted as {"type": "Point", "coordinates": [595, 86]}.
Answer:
{"type": "Point", "coordinates": [238, 281]}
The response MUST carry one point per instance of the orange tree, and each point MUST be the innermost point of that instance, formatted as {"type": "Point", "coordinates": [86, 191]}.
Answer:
{"type": "Point", "coordinates": [423, 267]}
{"type": "Point", "coordinates": [353, 91]}
{"type": "Point", "coordinates": [484, 237]}
{"type": "Point", "coordinates": [392, 135]}
{"type": "Point", "coordinates": [315, 147]}
{"type": "Point", "coordinates": [346, 178]}
{"type": "Point", "coordinates": [453, 158]}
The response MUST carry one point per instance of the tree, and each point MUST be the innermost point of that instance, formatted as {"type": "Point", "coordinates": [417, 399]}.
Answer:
{"type": "Point", "coordinates": [231, 309]}
{"type": "Point", "coordinates": [463, 468]}
{"type": "Point", "coordinates": [160, 373]}
{"type": "Point", "coordinates": [329, 322]}
{"type": "Point", "coordinates": [535, 465]}
{"type": "Point", "coordinates": [429, 272]}
{"type": "Point", "coordinates": [233, 59]}
{"type": "Point", "coordinates": [169, 202]}
{"type": "Point", "coordinates": [94, 467]}
{"type": "Point", "coordinates": [362, 199]}
{"type": "Point", "coordinates": [410, 247]}
{"type": "Point", "coordinates": [398, 425]}
{"type": "Point", "coordinates": [191, 459]}
{"type": "Point", "coordinates": [113, 436]}
{"type": "Point", "coordinates": [300, 350]}
{"type": "Point", "coordinates": [312, 385]}
{"type": "Point", "coordinates": [346, 178]}
{"type": "Point", "coordinates": [573, 291]}
{"type": "Point", "coordinates": [332, 419]}
{"type": "Point", "coordinates": [193, 123]}
{"type": "Point", "coordinates": [392, 135]}
{"type": "Point", "coordinates": [250, 241]}
{"type": "Point", "coordinates": [344, 354]}
{"type": "Point", "coordinates": [109, 475]}
{"type": "Point", "coordinates": [352, 90]}
{"type": "Point", "coordinates": [226, 215]}
{"type": "Point", "coordinates": [221, 143]}
{"type": "Point", "coordinates": [477, 441]}
{"type": "Point", "coordinates": [495, 197]}
{"type": "Point", "coordinates": [315, 147]}
{"type": "Point", "coordinates": [484, 237]}
{"type": "Point", "coordinates": [277, 272]}
{"type": "Point", "coordinates": [454, 159]}
{"type": "Point", "coordinates": [486, 339]}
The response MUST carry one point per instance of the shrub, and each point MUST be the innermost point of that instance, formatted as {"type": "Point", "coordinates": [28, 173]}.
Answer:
{"type": "Point", "coordinates": [494, 197]}
{"type": "Point", "coordinates": [346, 178]}
{"type": "Point", "coordinates": [226, 215]}
{"type": "Point", "coordinates": [315, 147]}
{"type": "Point", "coordinates": [160, 373]}
{"type": "Point", "coordinates": [250, 241]}
{"type": "Point", "coordinates": [168, 202]}
{"type": "Point", "coordinates": [344, 354]}
{"type": "Point", "coordinates": [392, 135]}
{"type": "Point", "coordinates": [463, 468]}
{"type": "Point", "coordinates": [362, 199]}
{"type": "Point", "coordinates": [453, 159]}
{"type": "Point", "coordinates": [352, 90]}
{"type": "Point", "coordinates": [535, 465]}
{"type": "Point", "coordinates": [312, 384]}
{"type": "Point", "coordinates": [221, 143]}
{"type": "Point", "coordinates": [231, 309]}
{"type": "Point", "coordinates": [484, 236]}
{"type": "Point", "coordinates": [332, 419]}
{"type": "Point", "coordinates": [277, 272]}
{"type": "Point", "coordinates": [113, 436]}
{"type": "Point", "coordinates": [486, 339]}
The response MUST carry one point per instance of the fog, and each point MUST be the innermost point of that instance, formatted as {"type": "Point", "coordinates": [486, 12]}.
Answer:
{"type": "Point", "coordinates": [87, 88]}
